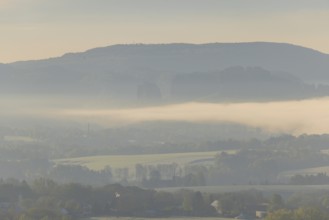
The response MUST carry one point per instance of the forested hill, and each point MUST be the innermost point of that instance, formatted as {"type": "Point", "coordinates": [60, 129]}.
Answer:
{"type": "Point", "coordinates": [153, 72]}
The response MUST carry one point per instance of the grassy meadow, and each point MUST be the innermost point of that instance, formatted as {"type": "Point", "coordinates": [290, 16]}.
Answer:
{"type": "Point", "coordinates": [129, 161]}
{"type": "Point", "coordinates": [285, 190]}
{"type": "Point", "coordinates": [135, 218]}
{"type": "Point", "coordinates": [308, 171]}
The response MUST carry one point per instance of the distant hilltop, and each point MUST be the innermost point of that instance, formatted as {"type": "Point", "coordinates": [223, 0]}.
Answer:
{"type": "Point", "coordinates": [176, 72]}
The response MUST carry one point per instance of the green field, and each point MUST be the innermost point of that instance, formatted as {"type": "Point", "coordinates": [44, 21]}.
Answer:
{"type": "Point", "coordinates": [129, 161]}
{"type": "Point", "coordinates": [285, 190]}
{"type": "Point", "coordinates": [309, 171]}
{"type": "Point", "coordinates": [132, 218]}
{"type": "Point", "coordinates": [19, 139]}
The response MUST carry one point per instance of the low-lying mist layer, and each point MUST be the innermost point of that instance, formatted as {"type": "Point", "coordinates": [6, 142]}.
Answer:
{"type": "Point", "coordinates": [295, 117]}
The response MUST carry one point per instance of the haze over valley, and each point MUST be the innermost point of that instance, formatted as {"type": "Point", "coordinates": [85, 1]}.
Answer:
{"type": "Point", "coordinates": [168, 98]}
{"type": "Point", "coordinates": [164, 109]}
{"type": "Point", "coordinates": [261, 85]}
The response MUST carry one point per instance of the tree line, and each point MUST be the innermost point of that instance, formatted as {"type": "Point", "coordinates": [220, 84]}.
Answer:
{"type": "Point", "coordinates": [46, 199]}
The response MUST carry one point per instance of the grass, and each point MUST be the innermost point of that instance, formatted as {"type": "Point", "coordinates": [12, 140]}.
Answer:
{"type": "Point", "coordinates": [129, 161]}
{"type": "Point", "coordinates": [19, 139]}
{"type": "Point", "coordinates": [308, 171]}
{"type": "Point", "coordinates": [286, 175]}
{"type": "Point", "coordinates": [265, 189]}
{"type": "Point", "coordinates": [133, 218]}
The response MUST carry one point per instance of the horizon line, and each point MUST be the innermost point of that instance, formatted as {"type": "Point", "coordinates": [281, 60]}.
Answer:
{"type": "Point", "coordinates": [157, 44]}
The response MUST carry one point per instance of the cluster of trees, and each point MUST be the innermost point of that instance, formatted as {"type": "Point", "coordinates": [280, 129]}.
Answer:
{"type": "Point", "coordinates": [315, 179]}
{"type": "Point", "coordinates": [145, 138]}
{"type": "Point", "coordinates": [308, 213]}
{"type": "Point", "coordinates": [45, 199]}
{"type": "Point", "coordinates": [248, 166]}
{"type": "Point", "coordinates": [255, 166]}
{"type": "Point", "coordinates": [226, 86]}
{"type": "Point", "coordinates": [262, 165]}
{"type": "Point", "coordinates": [168, 175]}
{"type": "Point", "coordinates": [300, 206]}
{"type": "Point", "coordinates": [149, 176]}
{"type": "Point", "coordinates": [256, 161]}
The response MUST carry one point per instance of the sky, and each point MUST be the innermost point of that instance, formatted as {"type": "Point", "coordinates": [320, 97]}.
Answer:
{"type": "Point", "coordinates": [38, 29]}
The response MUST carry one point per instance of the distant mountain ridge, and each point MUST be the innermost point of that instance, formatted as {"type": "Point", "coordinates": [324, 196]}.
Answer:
{"type": "Point", "coordinates": [120, 71]}
{"type": "Point", "coordinates": [207, 57]}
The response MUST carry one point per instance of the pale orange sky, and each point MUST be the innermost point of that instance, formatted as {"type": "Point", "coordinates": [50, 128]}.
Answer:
{"type": "Point", "coordinates": [35, 29]}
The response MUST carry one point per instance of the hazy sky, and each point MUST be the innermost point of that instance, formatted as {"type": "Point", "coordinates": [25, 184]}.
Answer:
{"type": "Point", "coordinates": [33, 29]}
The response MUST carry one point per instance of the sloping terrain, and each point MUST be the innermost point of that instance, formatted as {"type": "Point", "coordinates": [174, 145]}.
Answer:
{"type": "Point", "coordinates": [176, 72]}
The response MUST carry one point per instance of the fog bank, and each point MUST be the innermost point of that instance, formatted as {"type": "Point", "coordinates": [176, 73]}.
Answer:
{"type": "Point", "coordinates": [294, 117]}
